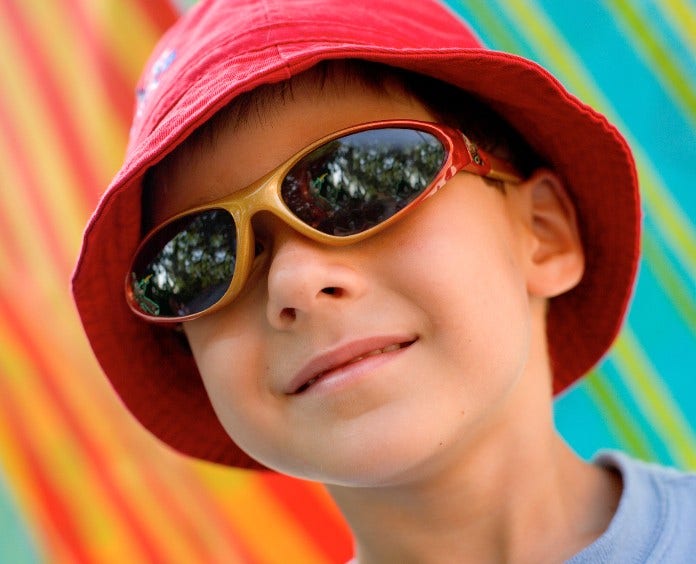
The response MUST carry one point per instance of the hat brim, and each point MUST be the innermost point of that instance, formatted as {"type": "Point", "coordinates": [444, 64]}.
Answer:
{"type": "Point", "coordinates": [154, 373]}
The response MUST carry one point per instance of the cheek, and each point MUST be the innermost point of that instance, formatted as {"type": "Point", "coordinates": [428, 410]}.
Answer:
{"type": "Point", "coordinates": [231, 361]}
{"type": "Point", "coordinates": [459, 263]}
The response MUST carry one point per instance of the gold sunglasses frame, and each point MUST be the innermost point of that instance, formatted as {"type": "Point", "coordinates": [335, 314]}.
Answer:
{"type": "Point", "coordinates": [265, 195]}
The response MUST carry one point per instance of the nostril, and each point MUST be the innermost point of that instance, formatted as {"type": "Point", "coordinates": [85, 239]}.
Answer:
{"type": "Point", "coordinates": [332, 291]}
{"type": "Point", "coordinates": [288, 314]}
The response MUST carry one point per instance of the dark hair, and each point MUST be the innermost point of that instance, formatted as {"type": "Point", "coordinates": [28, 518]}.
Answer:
{"type": "Point", "coordinates": [449, 104]}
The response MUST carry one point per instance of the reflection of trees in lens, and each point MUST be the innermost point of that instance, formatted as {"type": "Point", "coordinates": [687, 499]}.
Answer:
{"type": "Point", "coordinates": [358, 181]}
{"type": "Point", "coordinates": [191, 264]}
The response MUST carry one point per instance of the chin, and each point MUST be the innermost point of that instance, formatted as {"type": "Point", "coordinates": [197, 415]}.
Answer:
{"type": "Point", "coordinates": [374, 463]}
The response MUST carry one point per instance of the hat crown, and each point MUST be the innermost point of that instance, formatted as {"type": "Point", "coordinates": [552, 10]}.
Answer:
{"type": "Point", "coordinates": [237, 39]}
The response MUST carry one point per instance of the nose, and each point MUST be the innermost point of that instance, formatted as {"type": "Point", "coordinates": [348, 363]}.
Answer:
{"type": "Point", "coordinates": [306, 278]}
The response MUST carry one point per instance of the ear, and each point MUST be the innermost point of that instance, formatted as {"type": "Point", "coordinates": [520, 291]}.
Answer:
{"type": "Point", "coordinates": [555, 261]}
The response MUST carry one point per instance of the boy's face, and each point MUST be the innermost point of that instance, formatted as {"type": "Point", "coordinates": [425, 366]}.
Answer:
{"type": "Point", "coordinates": [443, 290]}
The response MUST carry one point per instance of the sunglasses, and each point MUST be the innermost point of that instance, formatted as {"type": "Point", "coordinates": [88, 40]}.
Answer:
{"type": "Point", "coordinates": [337, 191]}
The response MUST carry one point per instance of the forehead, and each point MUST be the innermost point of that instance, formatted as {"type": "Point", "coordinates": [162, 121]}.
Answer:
{"type": "Point", "coordinates": [238, 151]}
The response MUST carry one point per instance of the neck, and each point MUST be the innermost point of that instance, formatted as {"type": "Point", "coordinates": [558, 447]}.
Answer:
{"type": "Point", "coordinates": [517, 509]}
{"type": "Point", "coordinates": [528, 504]}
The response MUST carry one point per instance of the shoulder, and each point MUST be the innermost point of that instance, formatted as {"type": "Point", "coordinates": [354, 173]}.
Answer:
{"type": "Point", "coordinates": [656, 517]}
{"type": "Point", "coordinates": [673, 489]}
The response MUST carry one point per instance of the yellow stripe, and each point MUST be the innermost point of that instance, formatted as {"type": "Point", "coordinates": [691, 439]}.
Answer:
{"type": "Point", "coordinates": [59, 453]}
{"type": "Point", "coordinates": [666, 68]}
{"type": "Point", "coordinates": [672, 224]}
{"type": "Point", "coordinates": [270, 532]}
{"type": "Point", "coordinates": [618, 416]}
{"type": "Point", "coordinates": [96, 410]}
{"type": "Point", "coordinates": [73, 66]}
{"type": "Point", "coordinates": [682, 18]}
{"type": "Point", "coordinates": [201, 509]}
{"type": "Point", "coordinates": [540, 33]}
{"type": "Point", "coordinates": [6, 267]}
{"type": "Point", "coordinates": [130, 50]}
{"type": "Point", "coordinates": [20, 219]}
{"type": "Point", "coordinates": [655, 399]}
{"type": "Point", "coordinates": [36, 137]}
{"type": "Point", "coordinates": [12, 461]}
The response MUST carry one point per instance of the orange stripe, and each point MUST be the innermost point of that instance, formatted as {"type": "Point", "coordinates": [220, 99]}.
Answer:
{"type": "Point", "coordinates": [95, 465]}
{"type": "Point", "coordinates": [161, 15]}
{"type": "Point", "coordinates": [273, 536]}
{"type": "Point", "coordinates": [224, 541]}
{"type": "Point", "coordinates": [20, 403]}
{"type": "Point", "coordinates": [24, 193]}
{"type": "Point", "coordinates": [49, 177]}
{"type": "Point", "coordinates": [158, 496]}
{"type": "Point", "coordinates": [64, 75]}
{"type": "Point", "coordinates": [326, 529]}
{"type": "Point", "coordinates": [116, 67]}
{"type": "Point", "coordinates": [55, 99]}
{"type": "Point", "coordinates": [30, 238]}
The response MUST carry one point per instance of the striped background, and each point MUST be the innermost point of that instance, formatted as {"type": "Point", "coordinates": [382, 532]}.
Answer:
{"type": "Point", "coordinates": [80, 482]}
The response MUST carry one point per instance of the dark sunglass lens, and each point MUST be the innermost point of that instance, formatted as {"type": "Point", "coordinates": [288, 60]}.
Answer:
{"type": "Point", "coordinates": [186, 266]}
{"type": "Point", "coordinates": [358, 181]}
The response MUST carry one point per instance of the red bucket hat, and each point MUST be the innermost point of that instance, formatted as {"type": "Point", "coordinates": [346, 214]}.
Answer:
{"type": "Point", "coordinates": [222, 48]}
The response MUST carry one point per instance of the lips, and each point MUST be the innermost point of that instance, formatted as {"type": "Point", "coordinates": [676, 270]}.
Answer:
{"type": "Point", "coordinates": [344, 356]}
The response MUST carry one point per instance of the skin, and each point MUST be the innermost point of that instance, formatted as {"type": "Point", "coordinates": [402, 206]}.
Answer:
{"type": "Point", "coordinates": [443, 451]}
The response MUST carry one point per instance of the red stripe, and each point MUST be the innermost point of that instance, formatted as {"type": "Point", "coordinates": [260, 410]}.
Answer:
{"type": "Point", "coordinates": [97, 466]}
{"type": "Point", "coordinates": [56, 101]}
{"type": "Point", "coordinates": [117, 86]}
{"type": "Point", "coordinates": [212, 508]}
{"type": "Point", "coordinates": [161, 14]}
{"type": "Point", "coordinates": [180, 518]}
{"type": "Point", "coordinates": [328, 532]}
{"type": "Point", "coordinates": [14, 256]}
{"type": "Point", "coordinates": [166, 498]}
{"type": "Point", "coordinates": [43, 228]}
{"type": "Point", "coordinates": [54, 508]}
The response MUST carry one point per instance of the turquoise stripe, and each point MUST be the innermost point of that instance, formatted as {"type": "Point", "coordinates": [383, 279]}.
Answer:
{"type": "Point", "coordinates": [598, 408]}
{"type": "Point", "coordinates": [16, 545]}
{"type": "Point", "coordinates": [675, 283]}
{"type": "Point", "coordinates": [681, 16]}
{"type": "Point", "coordinates": [676, 75]}
{"type": "Point", "coordinates": [579, 418]}
{"type": "Point", "coordinates": [675, 228]}
{"type": "Point", "coordinates": [665, 148]}
{"type": "Point", "coordinates": [655, 399]}
{"type": "Point", "coordinates": [655, 121]}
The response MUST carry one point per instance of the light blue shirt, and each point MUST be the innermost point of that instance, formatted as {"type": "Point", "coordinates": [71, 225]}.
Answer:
{"type": "Point", "coordinates": [655, 521]}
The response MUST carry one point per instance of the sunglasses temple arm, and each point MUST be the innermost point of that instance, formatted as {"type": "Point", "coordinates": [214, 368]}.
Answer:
{"type": "Point", "coordinates": [481, 163]}
{"type": "Point", "coordinates": [502, 170]}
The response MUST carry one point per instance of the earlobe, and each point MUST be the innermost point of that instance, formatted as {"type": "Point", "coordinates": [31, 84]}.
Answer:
{"type": "Point", "coordinates": [556, 262]}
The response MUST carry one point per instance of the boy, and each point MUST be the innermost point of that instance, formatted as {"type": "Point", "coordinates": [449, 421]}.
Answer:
{"type": "Point", "coordinates": [359, 248]}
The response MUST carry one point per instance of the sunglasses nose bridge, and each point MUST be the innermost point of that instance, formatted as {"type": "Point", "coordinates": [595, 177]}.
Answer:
{"type": "Point", "coordinates": [266, 205]}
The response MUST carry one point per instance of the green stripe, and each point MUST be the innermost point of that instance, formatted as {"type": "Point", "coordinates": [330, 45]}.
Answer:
{"type": "Point", "coordinates": [681, 295]}
{"type": "Point", "coordinates": [617, 416]}
{"type": "Point", "coordinates": [682, 18]}
{"type": "Point", "coordinates": [489, 19]}
{"type": "Point", "coordinates": [654, 399]}
{"type": "Point", "coordinates": [670, 220]}
{"type": "Point", "coordinates": [551, 46]}
{"type": "Point", "coordinates": [665, 67]}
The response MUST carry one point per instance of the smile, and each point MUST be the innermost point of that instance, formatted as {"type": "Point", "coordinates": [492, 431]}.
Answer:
{"type": "Point", "coordinates": [334, 362]}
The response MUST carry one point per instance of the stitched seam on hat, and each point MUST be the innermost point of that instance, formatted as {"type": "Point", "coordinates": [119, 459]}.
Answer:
{"type": "Point", "coordinates": [269, 27]}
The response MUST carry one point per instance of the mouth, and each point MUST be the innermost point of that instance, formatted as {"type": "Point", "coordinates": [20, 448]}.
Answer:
{"type": "Point", "coordinates": [325, 365]}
